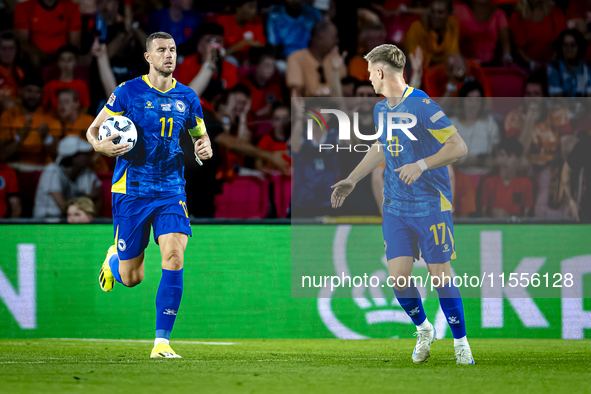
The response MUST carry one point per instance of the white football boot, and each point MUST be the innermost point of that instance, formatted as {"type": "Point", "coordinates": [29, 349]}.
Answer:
{"type": "Point", "coordinates": [422, 350]}
{"type": "Point", "coordinates": [464, 355]}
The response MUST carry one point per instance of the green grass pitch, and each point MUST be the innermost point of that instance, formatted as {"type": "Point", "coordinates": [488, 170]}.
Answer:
{"type": "Point", "coordinates": [293, 366]}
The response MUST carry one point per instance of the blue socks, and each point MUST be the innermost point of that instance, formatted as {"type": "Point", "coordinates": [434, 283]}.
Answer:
{"type": "Point", "coordinates": [451, 304]}
{"type": "Point", "coordinates": [410, 300]}
{"type": "Point", "coordinates": [449, 299]}
{"type": "Point", "coordinates": [168, 299]}
{"type": "Point", "coordinates": [114, 264]}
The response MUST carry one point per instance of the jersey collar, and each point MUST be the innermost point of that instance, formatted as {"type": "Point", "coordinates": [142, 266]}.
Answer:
{"type": "Point", "coordinates": [407, 91]}
{"type": "Point", "coordinates": [147, 80]}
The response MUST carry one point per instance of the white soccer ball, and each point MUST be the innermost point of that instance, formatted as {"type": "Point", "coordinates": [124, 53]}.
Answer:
{"type": "Point", "coordinates": [122, 126]}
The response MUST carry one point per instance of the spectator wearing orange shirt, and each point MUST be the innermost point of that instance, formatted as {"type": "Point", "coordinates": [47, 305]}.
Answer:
{"type": "Point", "coordinates": [207, 69]}
{"type": "Point", "coordinates": [264, 84]}
{"type": "Point", "coordinates": [545, 132]}
{"type": "Point", "coordinates": [10, 73]}
{"type": "Point", "coordinates": [483, 28]}
{"type": "Point", "coordinates": [28, 136]}
{"type": "Point", "coordinates": [74, 122]}
{"type": "Point", "coordinates": [370, 36]}
{"type": "Point", "coordinates": [242, 30]}
{"type": "Point", "coordinates": [535, 25]}
{"type": "Point", "coordinates": [10, 201]}
{"type": "Point", "coordinates": [43, 26]}
{"type": "Point", "coordinates": [438, 34]}
{"type": "Point", "coordinates": [533, 96]}
{"type": "Point", "coordinates": [317, 70]}
{"type": "Point", "coordinates": [66, 61]}
{"type": "Point", "coordinates": [277, 140]}
{"type": "Point", "coordinates": [538, 127]}
{"type": "Point", "coordinates": [506, 194]}
{"type": "Point", "coordinates": [446, 80]}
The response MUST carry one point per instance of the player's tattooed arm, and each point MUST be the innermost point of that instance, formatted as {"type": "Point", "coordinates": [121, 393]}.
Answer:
{"type": "Point", "coordinates": [454, 148]}
{"type": "Point", "coordinates": [105, 147]}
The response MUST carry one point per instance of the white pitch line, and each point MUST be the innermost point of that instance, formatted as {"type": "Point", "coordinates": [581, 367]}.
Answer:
{"type": "Point", "coordinates": [137, 341]}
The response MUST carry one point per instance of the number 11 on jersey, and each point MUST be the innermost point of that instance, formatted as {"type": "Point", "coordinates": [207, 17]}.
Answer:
{"type": "Point", "coordinates": [163, 121]}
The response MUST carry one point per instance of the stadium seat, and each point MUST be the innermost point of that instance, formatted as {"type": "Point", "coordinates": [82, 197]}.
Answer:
{"type": "Point", "coordinates": [282, 194]}
{"type": "Point", "coordinates": [245, 197]}
{"type": "Point", "coordinates": [106, 178]}
{"type": "Point", "coordinates": [505, 81]}
{"type": "Point", "coordinates": [27, 184]}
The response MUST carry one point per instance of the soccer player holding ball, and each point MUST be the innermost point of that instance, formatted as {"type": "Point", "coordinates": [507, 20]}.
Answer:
{"type": "Point", "coordinates": [417, 197]}
{"type": "Point", "coordinates": [148, 186]}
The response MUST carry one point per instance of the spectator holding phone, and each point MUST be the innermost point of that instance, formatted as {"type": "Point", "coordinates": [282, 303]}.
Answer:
{"type": "Point", "coordinates": [208, 68]}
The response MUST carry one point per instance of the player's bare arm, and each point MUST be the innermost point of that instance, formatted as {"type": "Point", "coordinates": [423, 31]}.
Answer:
{"type": "Point", "coordinates": [105, 146]}
{"type": "Point", "coordinates": [370, 162]}
{"type": "Point", "coordinates": [203, 147]}
{"type": "Point", "coordinates": [453, 149]}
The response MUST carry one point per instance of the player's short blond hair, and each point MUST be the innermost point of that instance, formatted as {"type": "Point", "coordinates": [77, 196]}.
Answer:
{"type": "Point", "coordinates": [389, 54]}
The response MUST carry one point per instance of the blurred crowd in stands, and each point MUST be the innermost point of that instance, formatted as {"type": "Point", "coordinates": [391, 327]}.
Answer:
{"type": "Point", "coordinates": [528, 155]}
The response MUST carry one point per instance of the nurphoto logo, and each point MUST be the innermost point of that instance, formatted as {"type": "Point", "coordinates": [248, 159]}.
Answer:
{"type": "Point", "coordinates": [394, 120]}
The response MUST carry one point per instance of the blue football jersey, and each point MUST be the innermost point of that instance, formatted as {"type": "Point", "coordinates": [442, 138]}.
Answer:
{"type": "Point", "coordinates": [431, 193]}
{"type": "Point", "coordinates": [154, 167]}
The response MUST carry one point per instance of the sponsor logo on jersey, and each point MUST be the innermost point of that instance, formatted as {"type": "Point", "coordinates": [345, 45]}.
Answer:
{"type": "Point", "coordinates": [149, 104]}
{"type": "Point", "coordinates": [121, 245]}
{"type": "Point", "coordinates": [111, 99]}
{"type": "Point", "coordinates": [166, 107]}
{"type": "Point", "coordinates": [426, 101]}
{"type": "Point", "coordinates": [180, 106]}
{"type": "Point", "coordinates": [171, 312]}
{"type": "Point", "coordinates": [437, 116]}
{"type": "Point", "coordinates": [453, 320]}
{"type": "Point", "coordinates": [446, 248]}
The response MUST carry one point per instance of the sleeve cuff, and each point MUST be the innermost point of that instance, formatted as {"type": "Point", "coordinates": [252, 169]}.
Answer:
{"type": "Point", "coordinates": [112, 112]}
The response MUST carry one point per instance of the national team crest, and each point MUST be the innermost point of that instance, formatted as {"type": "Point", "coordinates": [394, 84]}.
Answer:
{"type": "Point", "coordinates": [180, 106]}
{"type": "Point", "coordinates": [121, 245]}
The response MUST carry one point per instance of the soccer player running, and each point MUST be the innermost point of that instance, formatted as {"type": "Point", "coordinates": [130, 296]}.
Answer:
{"type": "Point", "coordinates": [148, 186]}
{"type": "Point", "coordinates": [417, 196]}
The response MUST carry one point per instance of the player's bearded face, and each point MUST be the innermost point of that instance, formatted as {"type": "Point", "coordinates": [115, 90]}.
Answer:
{"type": "Point", "coordinates": [163, 55]}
